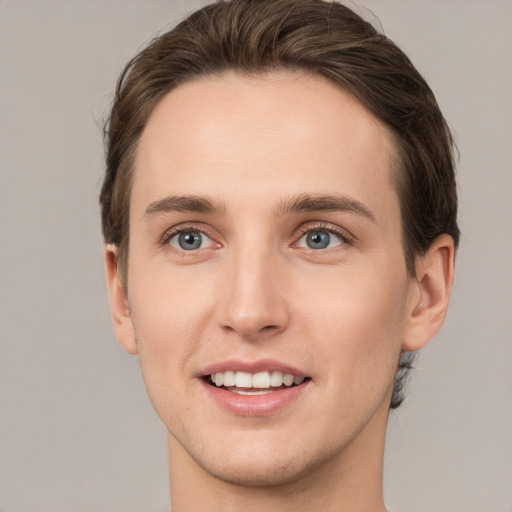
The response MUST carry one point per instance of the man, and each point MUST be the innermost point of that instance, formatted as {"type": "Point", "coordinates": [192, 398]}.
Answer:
{"type": "Point", "coordinates": [279, 212]}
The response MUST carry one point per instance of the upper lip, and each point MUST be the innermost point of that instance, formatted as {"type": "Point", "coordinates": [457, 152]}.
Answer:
{"type": "Point", "coordinates": [261, 365]}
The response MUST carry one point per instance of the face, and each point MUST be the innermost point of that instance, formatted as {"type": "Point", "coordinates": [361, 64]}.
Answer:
{"type": "Point", "coordinates": [265, 249]}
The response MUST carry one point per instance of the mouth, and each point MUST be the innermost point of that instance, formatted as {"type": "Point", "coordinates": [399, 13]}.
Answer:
{"type": "Point", "coordinates": [255, 388]}
{"type": "Point", "coordinates": [254, 384]}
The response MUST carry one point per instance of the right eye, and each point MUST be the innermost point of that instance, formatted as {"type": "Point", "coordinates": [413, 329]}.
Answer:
{"type": "Point", "coordinates": [189, 240]}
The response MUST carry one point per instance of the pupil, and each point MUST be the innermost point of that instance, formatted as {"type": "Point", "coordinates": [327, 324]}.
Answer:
{"type": "Point", "coordinates": [318, 240]}
{"type": "Point", "coordinates": [189, 241]}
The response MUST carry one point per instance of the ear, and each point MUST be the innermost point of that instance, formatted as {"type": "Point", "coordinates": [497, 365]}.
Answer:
{"type": "Point", "coordinates": [121, 317]}
{"type": "Point", "coordinates": [430, 294]}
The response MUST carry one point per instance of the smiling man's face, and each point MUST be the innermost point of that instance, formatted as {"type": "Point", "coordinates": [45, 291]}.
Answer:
{"type": "Point", "coordinates": [265, 247]}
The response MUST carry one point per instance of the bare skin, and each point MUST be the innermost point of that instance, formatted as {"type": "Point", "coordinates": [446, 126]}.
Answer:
{"type": "Point", "coordinates": [265, 230]}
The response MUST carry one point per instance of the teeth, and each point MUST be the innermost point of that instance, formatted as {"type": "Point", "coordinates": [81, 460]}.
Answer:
{"type": "Point", "coordinates": [251, 393]}
{"type": "Point", "coordinates": [229, 378]}
{"type": "Point", "coordinates": [260, 380]}
{"type": "Point", "coordinates": [287, 379]}
{"type": "Point", "coordinates": [276, 379]}
{"type": "Point", "coordinates": [243, 380]}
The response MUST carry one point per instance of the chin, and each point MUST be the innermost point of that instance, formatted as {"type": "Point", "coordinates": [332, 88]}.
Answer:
{"type": "Point", "coordinates": [257, 463]}
{"type": "Point", "coordinates": [261, 474]}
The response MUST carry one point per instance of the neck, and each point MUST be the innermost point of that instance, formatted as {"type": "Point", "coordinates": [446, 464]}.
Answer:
{"type": "Point", "coordinates": [351, 480]}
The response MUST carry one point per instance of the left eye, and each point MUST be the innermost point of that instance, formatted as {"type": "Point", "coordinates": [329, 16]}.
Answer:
{"type": "Point", "coordinates": [319, 239]}
{"type": "Point", "coordinates": [189, 240]}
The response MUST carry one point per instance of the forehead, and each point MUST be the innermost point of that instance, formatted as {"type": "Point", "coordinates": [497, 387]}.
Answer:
{"type": "Point", "coordinates": [282, 132]}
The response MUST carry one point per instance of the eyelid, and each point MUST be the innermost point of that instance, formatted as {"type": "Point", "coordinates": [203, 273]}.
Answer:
{"type": "Point", "coordinates": [344, 234]}
{"type": "Point", "coordinates": [187, 228]}
{"type": "Point", "coordinates": [306, 227]}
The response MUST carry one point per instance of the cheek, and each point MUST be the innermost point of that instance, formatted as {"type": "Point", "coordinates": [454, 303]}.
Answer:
{"type": "Point", "coordinates": [171, 310]}
{"type": "Point", "coordinates": [357, 322]}
{"type": "Point", "coordinates": [165, 323]}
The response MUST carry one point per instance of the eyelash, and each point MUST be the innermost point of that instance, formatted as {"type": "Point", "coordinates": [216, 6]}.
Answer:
{"type": "Point", "coordinates": [345, 236]}
{"type": "Point", "coordinates": [183, 228]}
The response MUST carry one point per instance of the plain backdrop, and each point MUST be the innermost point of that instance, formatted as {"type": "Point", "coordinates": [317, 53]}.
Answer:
{"type": "Point", "coordinates": [77, 432]}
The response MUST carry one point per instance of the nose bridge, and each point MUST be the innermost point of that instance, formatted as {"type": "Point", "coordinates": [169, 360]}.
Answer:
{"type": "Point", "coordinates": [254, 301]}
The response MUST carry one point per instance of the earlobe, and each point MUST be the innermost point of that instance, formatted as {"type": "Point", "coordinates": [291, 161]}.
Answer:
{"type": "Point", "coordinates": [429, 304]}
{"type": "Point", "coordinates": [121, 317]}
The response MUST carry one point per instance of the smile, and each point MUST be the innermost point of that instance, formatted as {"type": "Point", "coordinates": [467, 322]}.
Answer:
{"type": "Point", "coordinates": [245, 383]}
{"type": "Point", "coordinates": [257, 388]}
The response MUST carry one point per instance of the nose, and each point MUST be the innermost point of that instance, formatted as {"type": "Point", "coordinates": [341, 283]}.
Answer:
{"type": "Point", "coordinates": [254, 298]}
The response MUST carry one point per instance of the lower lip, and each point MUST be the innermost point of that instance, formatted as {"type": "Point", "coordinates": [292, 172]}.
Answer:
{"type": "Point", "coordinates": [255, 405]}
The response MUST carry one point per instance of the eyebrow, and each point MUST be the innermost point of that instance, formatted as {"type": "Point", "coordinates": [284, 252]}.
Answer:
{"type": "Point", "coordinates": [198, 204]}
{"type": "Point", "coordinates": [325, 203]}
{"type": "Point", "coordinates": [295, 204]}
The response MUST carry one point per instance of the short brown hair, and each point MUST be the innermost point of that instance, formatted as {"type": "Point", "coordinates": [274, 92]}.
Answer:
{"type": "Point", "coordinates": [322, 38]}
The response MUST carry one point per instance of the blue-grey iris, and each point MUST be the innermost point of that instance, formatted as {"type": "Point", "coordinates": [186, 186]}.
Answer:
{"type": "Point", "coordinates": [190, 241]}
{"type": "Point", "coordinates": [318, 239]}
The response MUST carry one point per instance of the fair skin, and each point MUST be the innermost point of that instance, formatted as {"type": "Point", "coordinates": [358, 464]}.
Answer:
{"type": "Point", "coordinates": [265, 235]}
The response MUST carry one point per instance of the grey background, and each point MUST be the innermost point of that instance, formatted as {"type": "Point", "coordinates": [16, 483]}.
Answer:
{"type": "Point", "coordinates": [77, 432]}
